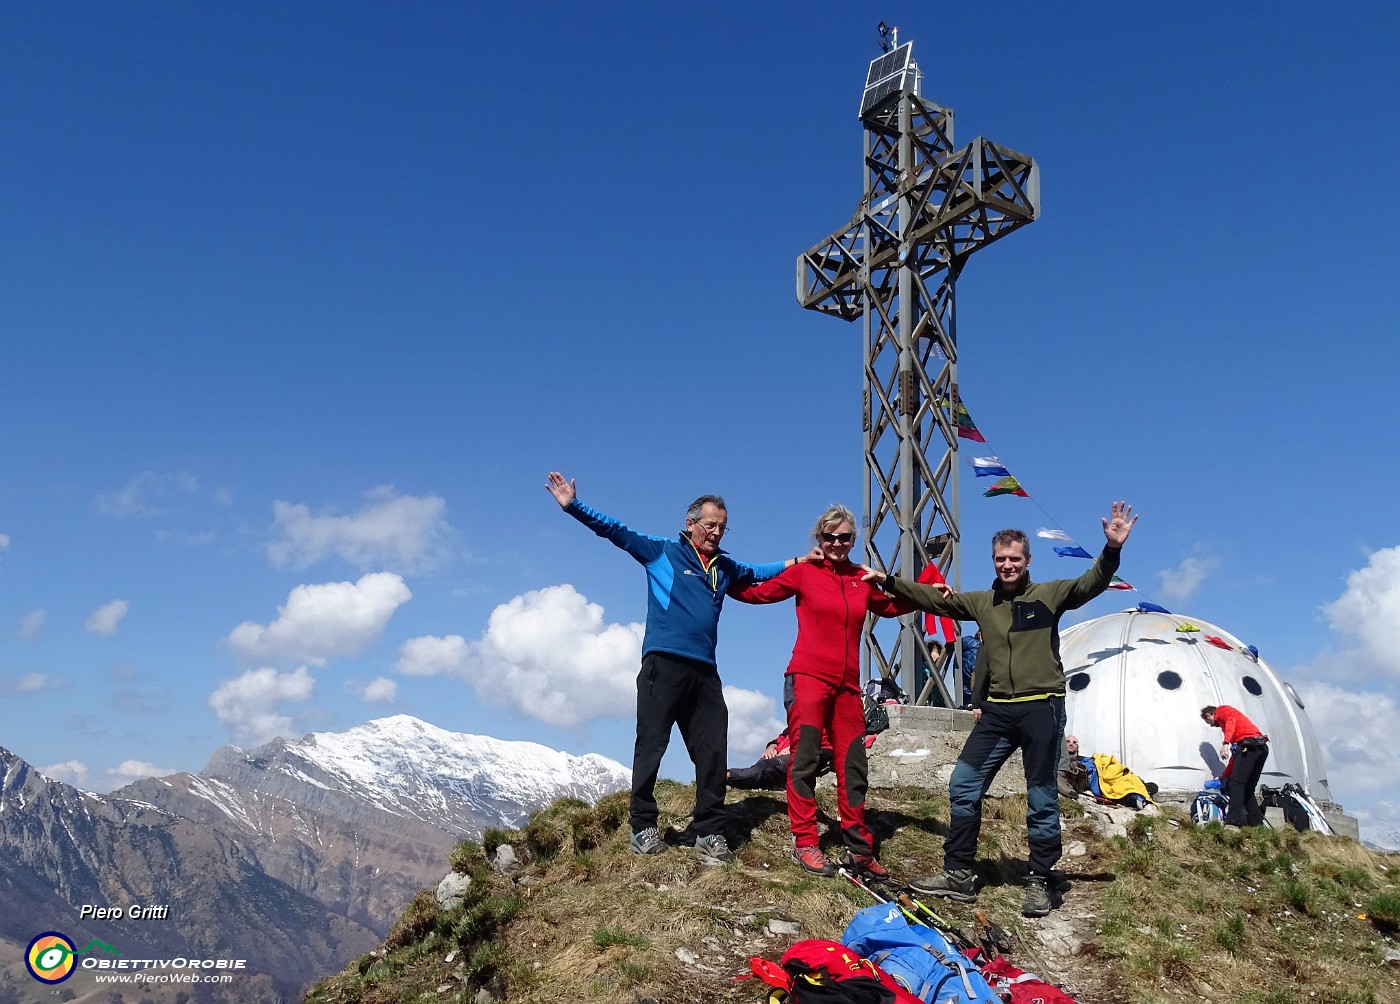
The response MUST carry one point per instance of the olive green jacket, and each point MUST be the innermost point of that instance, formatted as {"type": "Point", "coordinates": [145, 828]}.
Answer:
{"type": "Point", "coordinates": [1020, 631]}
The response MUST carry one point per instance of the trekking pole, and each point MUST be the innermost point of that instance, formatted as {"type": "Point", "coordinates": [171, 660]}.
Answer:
{"type": "Point", "coordinates": [996, 935]}
{"type": "Point", "coordinates": [930, 919]}
{"type": "Point", "coordinates": [855, 881]}
{"type": "Point", "coordinates": [905, 896]}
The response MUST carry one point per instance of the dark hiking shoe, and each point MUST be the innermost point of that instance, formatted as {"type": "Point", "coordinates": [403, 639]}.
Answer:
{"type": "Point", "coordinates": [813, 861]}
{"type": "Point", "coordinates": [713, 850]}
{"type": "Point", "coordinates": [648, 841]}
{"type": "Point", "coordinates": [863, 865]}
{"type": "Point", "coordinates": [1037, 902]}
{"type": "Point", "coordinates": [959, 884]}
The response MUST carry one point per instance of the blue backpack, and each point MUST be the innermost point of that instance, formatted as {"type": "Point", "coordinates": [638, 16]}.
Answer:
{"type": "Point", "coordinates": [919, 958]}
{"type": "Point", "coordinates": [1209, 807]}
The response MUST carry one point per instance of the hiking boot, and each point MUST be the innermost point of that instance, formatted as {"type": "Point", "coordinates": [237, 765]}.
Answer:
{"type": "Point", "coordinates": [648, 841]}
{"type": "Point", "coordinates": [1037, 902]}
{"type": "Point", "coordinates": [813, 861]}
{"type": "Point", "coordinates": [959, 884]}
{"type": "Point", "coordinates": [863, 865]}
{"type": "Point", "coordinates": [713, 850]}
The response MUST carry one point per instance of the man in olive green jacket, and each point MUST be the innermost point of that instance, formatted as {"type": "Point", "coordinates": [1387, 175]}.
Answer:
{"type": "Point", "coordinates": [1020, 699]}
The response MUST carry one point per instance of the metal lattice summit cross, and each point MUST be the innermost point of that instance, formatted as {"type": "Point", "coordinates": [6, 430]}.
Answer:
{"type": "Point", "coordinates": [927, 207]}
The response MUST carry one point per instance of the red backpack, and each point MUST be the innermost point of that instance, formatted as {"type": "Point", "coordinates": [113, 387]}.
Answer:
{"type": "Point", "coordinates": [827, 972]}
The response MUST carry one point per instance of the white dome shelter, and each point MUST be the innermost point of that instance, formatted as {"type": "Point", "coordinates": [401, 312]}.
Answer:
{"type": "Point", "coordinates": [1136, 683]}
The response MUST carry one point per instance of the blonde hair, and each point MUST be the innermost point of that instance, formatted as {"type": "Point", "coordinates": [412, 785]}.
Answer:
{"type": "Point", "coordinates": [835, 515]}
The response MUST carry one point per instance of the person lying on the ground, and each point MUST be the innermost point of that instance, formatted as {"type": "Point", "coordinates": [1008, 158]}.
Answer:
{"type": "Point", "coordinates": [1102, 776]}
{"type": "Point", "coordinates": [769, 771]}
{"type": "Point", "coordinates": [1072, 779]}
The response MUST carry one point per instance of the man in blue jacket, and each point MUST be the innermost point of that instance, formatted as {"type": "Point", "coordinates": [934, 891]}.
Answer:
{"type": "Point", "coordinates": [687, 576]}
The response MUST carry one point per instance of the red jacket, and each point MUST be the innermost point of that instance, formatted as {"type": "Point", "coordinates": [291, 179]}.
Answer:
{"type": "Point", "coordinates": [832, 603]}
{"type": "Point", "coordinates": [1235, 725]}
{"type": "Point", "coordinates": [934, 626]}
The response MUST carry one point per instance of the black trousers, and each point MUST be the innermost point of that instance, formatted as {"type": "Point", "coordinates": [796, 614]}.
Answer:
{"type": "Point", "coordinates": [674, 690]}
{"type": "Point", "coordinates": [1246, 764]}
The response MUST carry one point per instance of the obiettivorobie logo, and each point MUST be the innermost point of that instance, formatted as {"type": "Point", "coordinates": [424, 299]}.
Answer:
{"type": "Point", "coordinates": [51, 957]}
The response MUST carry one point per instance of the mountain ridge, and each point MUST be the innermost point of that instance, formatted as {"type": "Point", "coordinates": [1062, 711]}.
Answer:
{"type": "Point", "coordinates": [297, 853]}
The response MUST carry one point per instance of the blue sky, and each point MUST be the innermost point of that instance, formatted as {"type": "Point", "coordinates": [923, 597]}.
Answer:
{"type": "Point", "coordinates": [302, 302]}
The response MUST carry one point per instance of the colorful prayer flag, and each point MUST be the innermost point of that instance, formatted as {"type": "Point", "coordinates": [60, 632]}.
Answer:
{"type": "Point", "coordinates": [1220, 643]}
{"type": "Point", "coordinates": [1186, 628]}
{"type": "Point", "coordinates": [1054, 535]}
{"type": "Point", "coordinates": [989, 467]}
{"type": "Point", "coordinates": [1006, 486]}
{"type": "Point", "coordinates": [966, 428]}
{"type": "Point", "coordinates": [1073, 552]}
{"type": "Point", "coordinates": [1151, 608]}
{"type": "Point", "coordinates": [1118, 583]}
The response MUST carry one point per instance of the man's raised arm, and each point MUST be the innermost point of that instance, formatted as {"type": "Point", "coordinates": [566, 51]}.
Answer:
{"type": "Point", "coordinates": [1117, 525]}
{"type": "Point", "coordinates": [936, 598]}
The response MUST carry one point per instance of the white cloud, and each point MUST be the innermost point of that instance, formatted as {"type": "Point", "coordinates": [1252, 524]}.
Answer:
{"type": "Point", "coordinates": [4, 542]}
{"type": "Point", "coordinates": [1368, 614]}
{"type": "Point", "coordinates": [146, 494]}
{"type": "Point", "coordinates": [323, 620]}
{"type": "Point", "coordinates": [35, 683]}
{"type": "Point", "coordinates": [1179, 584]}
{"type": "Point", "coordinates": [32, 623]}
{"type": "Point", "coordinates": [380, 690]}
{"type": "Point", "coordinates": [72, 772]}
{"type": "Point", "coordinates": [138, 769]}
{"type": "Point", "coordinates": [388, 531]}
{"type": "Point", "coordinates": [104, 619]}
{"type": "Point", "coordinates": [751, 722]}
{"type": "Point", "coordinates": [430, 656]}
{"type": "Point", "coordinates": [251, 706]}
{"type": "Point", "coordinates": [548, 654]}
{"type": "Point", "coordinates": [1360, 737]}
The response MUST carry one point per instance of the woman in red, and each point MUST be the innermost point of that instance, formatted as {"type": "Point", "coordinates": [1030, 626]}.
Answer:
{"type": "Point", "coordinates": [832, 601]}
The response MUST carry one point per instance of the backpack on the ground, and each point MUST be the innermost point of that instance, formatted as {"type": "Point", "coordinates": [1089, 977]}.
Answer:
{"type": "Point", "coordinates": [1021, 987]}
{"type": "Point", "coordinates": [877, 719]}
{"type": "Point", "coordinates": [815, 971]}
{"type": "Point", "coordinates": [881, 689]}
{"type": "Point", "coordinates": [920, 958]}
{"type": "Point", "coordinates": [1209, 807]}
{"type": "Point", "coordinates": [1299, 810]}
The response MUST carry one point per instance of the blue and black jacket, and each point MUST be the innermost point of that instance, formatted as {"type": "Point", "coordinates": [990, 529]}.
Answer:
{"type": "Point", "coordinates": [685, 598]}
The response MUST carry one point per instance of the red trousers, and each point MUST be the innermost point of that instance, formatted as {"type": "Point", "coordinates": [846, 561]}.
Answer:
{"type": "Point", "coordinates": [821, 708]}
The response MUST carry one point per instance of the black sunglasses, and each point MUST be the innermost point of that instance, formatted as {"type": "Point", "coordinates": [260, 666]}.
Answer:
{"type": "Point", "coordinates": [838, 538]}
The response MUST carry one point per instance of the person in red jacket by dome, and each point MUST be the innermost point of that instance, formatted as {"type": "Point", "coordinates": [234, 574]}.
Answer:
{"type": "Point", "coordinates": [832, 601]}
{"type": "Point", "coordinates": [1249, 749]}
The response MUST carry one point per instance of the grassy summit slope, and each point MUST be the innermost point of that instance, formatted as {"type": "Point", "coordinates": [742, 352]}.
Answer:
{"type": "Point", "coordinates": [1170, 912]}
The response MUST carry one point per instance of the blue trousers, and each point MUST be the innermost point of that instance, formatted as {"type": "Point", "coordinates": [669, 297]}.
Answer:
{"type": "Point", "coordinates": [1037, 729]}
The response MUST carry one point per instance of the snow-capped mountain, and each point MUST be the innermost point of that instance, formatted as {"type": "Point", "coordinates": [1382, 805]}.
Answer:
{"type": "Point", "coordinates": [362, 819]}
{"type": "Point", "coordinates": [456, 782]}
{"type": "Point", "coordinates": [1382, 838]}
{"type": "Point", "coordinates": [296, 854]}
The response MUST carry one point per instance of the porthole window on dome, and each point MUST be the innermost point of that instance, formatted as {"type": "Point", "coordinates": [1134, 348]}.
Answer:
{"type": "Point", "coordinates": [1078, 681]}
{"type": "Point", "coordinates": [1252, 685]}
{"type": "Point", "coordinates": [1294, 694]}
{"type": "Point", "coordinates": [1169, 680]}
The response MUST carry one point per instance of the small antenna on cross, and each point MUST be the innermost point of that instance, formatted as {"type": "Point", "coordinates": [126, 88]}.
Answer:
{"type": "Point", "coordinates": [889, 37]}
